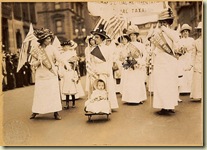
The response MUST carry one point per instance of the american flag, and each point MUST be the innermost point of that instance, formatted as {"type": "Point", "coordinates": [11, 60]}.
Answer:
{"type": "Point", "coordinates": [29, 40]}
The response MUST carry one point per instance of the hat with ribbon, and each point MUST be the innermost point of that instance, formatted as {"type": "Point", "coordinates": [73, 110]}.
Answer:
{"type": "Point", "coordinates": [42, 34]}
{"type": "Point", "coordinates": [100, 31]}
{"type": "Point", "coordinates": [132, 29]}
{"type": "Point", "coordinates": [200, 26]}
{"type": "Point", "coordinates": [185, 27]}
{"type": "Point", "coordinates": [69, 43]}
{"type": "Point", "coordinates": [124, 36]}
{"type": "Point", "coordinates": [166, 14]}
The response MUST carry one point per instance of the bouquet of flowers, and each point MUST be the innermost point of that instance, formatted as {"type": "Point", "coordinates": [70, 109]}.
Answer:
{"type": "Point", "coordinates": [129, 62]}
{"type": "Point", "coordinates": [182, 51]}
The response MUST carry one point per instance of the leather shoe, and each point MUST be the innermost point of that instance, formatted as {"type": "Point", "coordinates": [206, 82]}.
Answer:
{"type": "Point", "coordinates": [33, 115]}
{"type": "Point", "coordinates": [171, 111]}
{"type": "Point", "coordinates": [57, 116]}
{"type": "Point", "coordinates": [163, 112]}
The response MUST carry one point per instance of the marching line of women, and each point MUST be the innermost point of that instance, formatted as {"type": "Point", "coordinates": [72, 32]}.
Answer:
{"type": "Point", "coordinates": [120, 66]}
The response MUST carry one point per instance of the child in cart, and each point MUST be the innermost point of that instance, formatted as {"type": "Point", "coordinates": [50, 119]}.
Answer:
{"type": "Point", "coordinates": [70, 78]}
{"type": "Point", "coordinates": [98, 102]}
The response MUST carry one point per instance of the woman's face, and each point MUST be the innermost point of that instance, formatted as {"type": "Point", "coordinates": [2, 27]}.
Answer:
{"type": "Point", "coordinates": [163, 23]}
{"type": "Point", "coordinates": [124, 41]}
{"type": "Point", "coordinates": [98, 39]}
{"type": "Point", "coordinates": [47, 41]}
{"type": "Point", "coordinates": [185, 33]}
{"type": "Point", "coordinates": [133, 37]}
{"type": "Point", "coordinates": [92, 42]}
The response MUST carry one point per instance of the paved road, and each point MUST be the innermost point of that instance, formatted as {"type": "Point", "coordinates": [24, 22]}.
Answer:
{"type": "Point", "coordinates": [130, 125]}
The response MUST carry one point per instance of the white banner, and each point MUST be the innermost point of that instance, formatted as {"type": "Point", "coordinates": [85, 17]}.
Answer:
{"type": "Point", "coordinates": [137, 12]}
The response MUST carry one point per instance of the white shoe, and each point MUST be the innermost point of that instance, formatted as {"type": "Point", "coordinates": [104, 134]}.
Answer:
{"type": "Point", "coordinates": [179, 100]}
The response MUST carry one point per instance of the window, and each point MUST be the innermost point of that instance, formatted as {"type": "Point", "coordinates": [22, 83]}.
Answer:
{"type": "Point", "coordinates": [59, 26]}
{"type": "Point", "coordinates": [25, 11]}
{"type": "Point", "coordinates": [57, 5]}
{"type": "Point", "coordinates": [18, 39]}
{"type": "Point", "coordinates": [17, 11]}
{"type": "Point", "coordinates": [32, 12]}
{"type": "Point", "coordinates": [72, 6]}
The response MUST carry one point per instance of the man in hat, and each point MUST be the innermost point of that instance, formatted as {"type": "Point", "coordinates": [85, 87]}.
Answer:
{"type": "Point", "coordinates": [102, 61]}
{"type": "Point", "coordinates": [165, 79]}
{"type": "Point", "coordinates": [185, 59]}
{"type": "Point", "coordinates": [196, 91]}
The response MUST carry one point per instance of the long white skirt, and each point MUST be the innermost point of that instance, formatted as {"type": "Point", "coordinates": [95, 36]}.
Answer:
{"type": "Point", "coordinates": [197, 90]}
{"type": "Point", "coordinates": [165, 82]}
{"type": "Point", "coordinates": [133, 86]}
{"type": "Point", "coordinates": [46, 96]}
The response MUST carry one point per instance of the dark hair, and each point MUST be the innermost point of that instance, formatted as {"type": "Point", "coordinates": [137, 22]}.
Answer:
{"type": "Point", "coordinates": [100, 80]}
{"type": "Point", "coordinates": [42, 40]}
{"type": "Point", "coordinates": [169, 21]}
{"type": "Point", "coordinates": [185, 29]}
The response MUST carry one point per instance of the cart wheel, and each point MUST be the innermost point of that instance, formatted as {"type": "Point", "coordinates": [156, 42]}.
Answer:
{"type": "Point", "coordinates": [107, 117]}
{"type": "Point", "coordinates": [89, 118]}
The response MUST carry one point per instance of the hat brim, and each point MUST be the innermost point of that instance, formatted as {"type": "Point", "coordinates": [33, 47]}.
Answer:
{"type": "Point", "coordinates": [198, 28]}
{"type": "Point", "coordinates": [185, 29]}
{"type": "Point", "coordinates": [128, 33]}
{"type": "Point", "coordinates": [165, 18]}
{"type": "Point", "coordinates": [47, 35]}
{"type": "Point", "coordinates": [98, 33]}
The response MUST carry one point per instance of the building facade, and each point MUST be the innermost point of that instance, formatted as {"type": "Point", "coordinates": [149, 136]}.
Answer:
{"type": "Point", "coordinates": [15, 20]}
{"type": "Point", "coordinates": [190, 12]}
{"type": "Point", "coordinates": [67, 20]}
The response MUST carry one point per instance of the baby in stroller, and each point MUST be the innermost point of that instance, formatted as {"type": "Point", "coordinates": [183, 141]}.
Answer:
{"type": "Point", "coordinates": [98, 102]}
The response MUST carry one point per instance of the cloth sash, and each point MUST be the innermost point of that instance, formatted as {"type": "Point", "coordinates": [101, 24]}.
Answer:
{"type": "Point", "coordinates": [134, 51]}
{"type": "Point", "coordinates": [159, 40]}
{"type": "Point", "coordinates": [36, 53]}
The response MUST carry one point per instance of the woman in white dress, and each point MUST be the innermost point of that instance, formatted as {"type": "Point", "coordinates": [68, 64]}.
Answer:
{"type": "Point", "coordinates": [132, 80]}
{"type": "Point", "coordinates": [46, 93]}
{"type": "Point", "coordinates": [165, 79]}
{"type": "Point", "coordinates": [185, 60]}
{"type": "Point", "coordinates": [101, 62]}
{"type": "Point", "coordinates": [89, 70]}
{"type": "Point", "coordinates": [197, 88]}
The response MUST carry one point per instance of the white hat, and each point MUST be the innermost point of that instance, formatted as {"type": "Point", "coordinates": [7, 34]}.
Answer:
{"type": "Point", "coordinates": [185, 27]}
{"type": "Point", "coordinates": [132, 29]}
{"type": "Point", "coordinates": [166, 14]}
{"type": "Point", "coordinates": [200, 26]}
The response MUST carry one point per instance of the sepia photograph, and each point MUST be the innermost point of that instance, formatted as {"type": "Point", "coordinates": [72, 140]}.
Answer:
{"type": "Point", "coordinates": [102, 73]}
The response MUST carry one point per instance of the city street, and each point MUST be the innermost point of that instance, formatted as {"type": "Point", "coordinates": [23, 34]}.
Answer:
{"type": "Point", "coordinates": [130, 125]}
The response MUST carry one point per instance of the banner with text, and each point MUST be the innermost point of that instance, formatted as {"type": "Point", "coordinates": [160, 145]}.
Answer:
{"type": "Point", "coordinates": [137, 12]}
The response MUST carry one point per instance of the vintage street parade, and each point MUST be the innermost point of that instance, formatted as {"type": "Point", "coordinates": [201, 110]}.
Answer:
{"type": "Point", "coordinates": [119, 73]}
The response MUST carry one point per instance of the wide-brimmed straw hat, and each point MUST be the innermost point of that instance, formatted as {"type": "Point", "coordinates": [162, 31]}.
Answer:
{"type": "Point", "coordinates": [185, 27]}
{"type": "Point", "coordinates": [100, 31]}
{"type": "Point", "coordinates": [124, 36]}
{"type": "Point", "coordinates": [70, 43]}
{"type": "Point", "coordinates": [166, 14]}
{"type": "Point", "coordinates": [42, 34]}
{"type": "Point", "coordinates": [200, 26]}
{"type": "Point", "coordinates": [132, 29]}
